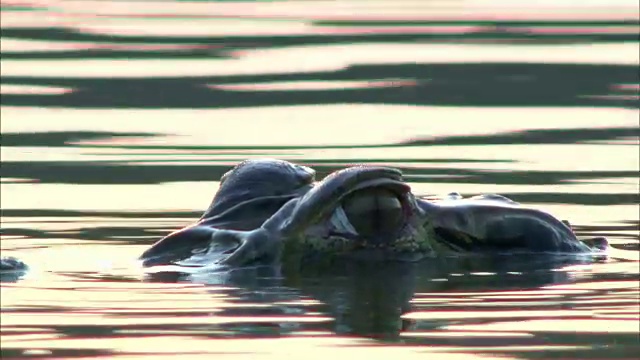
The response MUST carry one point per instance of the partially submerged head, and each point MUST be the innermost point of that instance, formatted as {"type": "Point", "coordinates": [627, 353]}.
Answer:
{"type": "Point", "coordinates": [249, 193]}
{"type": "Point", "coordinates": [359, 208]}
{"type": "Point", "coordinates": [362, 211]}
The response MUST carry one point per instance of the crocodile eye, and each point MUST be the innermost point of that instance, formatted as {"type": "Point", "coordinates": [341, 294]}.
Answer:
{"type": "Point", "coordinates": [374, 212]}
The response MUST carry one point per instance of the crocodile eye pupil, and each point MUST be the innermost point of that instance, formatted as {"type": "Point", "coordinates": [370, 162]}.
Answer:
{"type": "Point", "coordinates": [374, 212]}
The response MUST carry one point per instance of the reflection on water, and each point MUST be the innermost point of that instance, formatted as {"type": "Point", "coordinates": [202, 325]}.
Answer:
{"type": "Point", "coordinates": [118, 117]}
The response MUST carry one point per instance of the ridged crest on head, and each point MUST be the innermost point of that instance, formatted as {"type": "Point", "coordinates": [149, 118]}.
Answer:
{"type": "Point", "coordinates": [258, 178]}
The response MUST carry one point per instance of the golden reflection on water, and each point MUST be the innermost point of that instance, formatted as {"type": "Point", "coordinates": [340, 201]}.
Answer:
{"type": "Point", "coordinates": [326, 125]}
{"type": "Point", "coordinates": [305, 59]}
{"type": "Point", "coordinates": [114, 133]}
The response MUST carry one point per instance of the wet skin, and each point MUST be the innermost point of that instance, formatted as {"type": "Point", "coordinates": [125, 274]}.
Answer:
{"type": "Point", "coordinates": [268, 211]}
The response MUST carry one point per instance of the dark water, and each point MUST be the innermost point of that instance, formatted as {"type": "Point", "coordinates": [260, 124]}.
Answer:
{"type": "Point", "coordinates": [118, 117]}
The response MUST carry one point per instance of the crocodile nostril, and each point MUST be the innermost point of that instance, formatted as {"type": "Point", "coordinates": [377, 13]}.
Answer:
{"type": "Point", "coordinates": [374, 212]}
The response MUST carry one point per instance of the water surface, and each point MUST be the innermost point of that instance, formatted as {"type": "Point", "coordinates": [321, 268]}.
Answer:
{"type": "Point", "coordinates": [119, 117]}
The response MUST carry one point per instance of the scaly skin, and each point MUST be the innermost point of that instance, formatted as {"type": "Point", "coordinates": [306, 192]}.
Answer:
{"type": "Point", "coordinates": [413, 240]}
{"type": "Point", "coordinates": [295, 222]}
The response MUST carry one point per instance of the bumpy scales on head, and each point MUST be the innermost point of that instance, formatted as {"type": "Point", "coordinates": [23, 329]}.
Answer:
{"type": "Point", "coordinates": [267, 210]}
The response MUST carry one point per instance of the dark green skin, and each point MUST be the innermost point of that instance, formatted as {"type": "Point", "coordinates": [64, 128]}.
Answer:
{"type": "Point", "coordinates": [269, 211]}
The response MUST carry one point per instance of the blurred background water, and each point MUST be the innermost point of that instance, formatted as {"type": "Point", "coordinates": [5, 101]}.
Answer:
{"type": "Point", "coordinates": [119, 117]}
